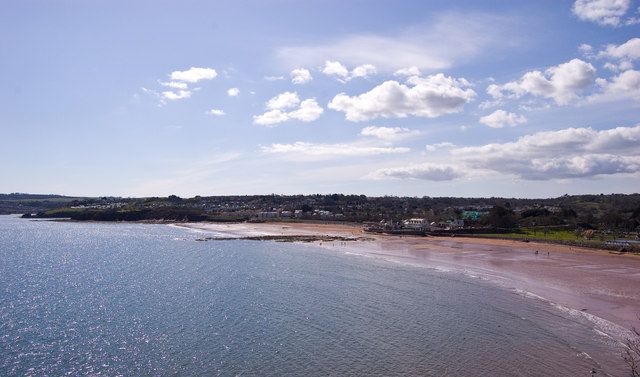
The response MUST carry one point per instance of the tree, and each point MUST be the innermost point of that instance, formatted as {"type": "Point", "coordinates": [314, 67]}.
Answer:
{"type": "Point", "coordinates": [501, 217]}
{"type": "Point", "coordinates": [174, 198]}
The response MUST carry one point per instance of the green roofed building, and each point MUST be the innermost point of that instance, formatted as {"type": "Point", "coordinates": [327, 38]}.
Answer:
{"type": "Point", "coordinates": [471, 215]}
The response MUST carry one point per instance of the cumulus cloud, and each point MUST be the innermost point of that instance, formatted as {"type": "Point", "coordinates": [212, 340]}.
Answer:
{"type": "Point", "coordinates": [274, 78]}
{"type": "Point", "coordinates": [284, 100]}
{"type": "Point", "coordinates": [434, 45]}
{"type": "Point", "coordinates": [624, 86]}
{"type": "Point", "coordinates": [429, 97]}
{"type": "Point", "coordinates": [364, 70]}
{"type": "Point", "coordinates": [335, 69]}
{"type": "Point", "coordinates": [287, 106]}
{"type": "Point", "coordinates": [501, 118]}
{"type": "Point", "coordinates": [233, 92]}
{"type": "Point", "coordinates": [621, 57]}
{"type": "Point", "coordinates": [338, 70]}
{"type": "Point", "coordinates": [194, 74]}
{"type": "Point", "coordinates": [563, 154]}
{"type": "Point", "coordinates": [300, 76]}
{"type": "Point", "coordinates": [567, 153]}
{"type": "Point", "coordinates": [425, 171]}
{"type": "Point", "coordinates": [271, 118]}
{"type": "Point", "coordinates": [389, 133]}
{"type": "Point", "coordinates": [179, 84]}
{"type": "Point", "coordinates": [630, 50]}
{"type": "Point", "coordinates": [179, 94]}
{"type": "Point", "coordinates": [216, 112]}
{"type": "Point", "coordinates": [320, 151]}
{"type": "Point", "coordinates": [602, 12]}
{"type": "Point", "coordinates": [562, 83]}
{"type": "Point", "coordinates": [308, 111]}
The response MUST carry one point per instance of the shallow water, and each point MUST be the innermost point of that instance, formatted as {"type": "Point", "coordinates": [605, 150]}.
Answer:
{"type": "Point", "coordinates": [134, 299]}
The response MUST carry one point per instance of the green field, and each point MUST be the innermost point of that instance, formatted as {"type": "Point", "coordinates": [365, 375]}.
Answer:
{"type": "Point", "coordinates": [540, 234]}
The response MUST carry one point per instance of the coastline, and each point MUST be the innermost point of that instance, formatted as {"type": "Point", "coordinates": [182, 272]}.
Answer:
{"type": "Point", "coordinates": [593, 284]}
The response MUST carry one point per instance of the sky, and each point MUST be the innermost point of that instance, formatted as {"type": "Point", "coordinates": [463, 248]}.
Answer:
{"type": "Point", "coordinates": [408, 98]}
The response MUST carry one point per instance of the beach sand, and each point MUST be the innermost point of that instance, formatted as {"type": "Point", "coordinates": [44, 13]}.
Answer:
{"type": "Point", "coordinates": [594, 284]}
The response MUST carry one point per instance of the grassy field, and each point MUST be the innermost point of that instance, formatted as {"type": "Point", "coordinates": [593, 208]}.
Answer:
{"type": "Point", "coordinates": [561, 235]}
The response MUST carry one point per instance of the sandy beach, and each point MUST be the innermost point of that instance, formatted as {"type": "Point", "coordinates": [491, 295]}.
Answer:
{"type": "Point", "coordinates": [594, 284]}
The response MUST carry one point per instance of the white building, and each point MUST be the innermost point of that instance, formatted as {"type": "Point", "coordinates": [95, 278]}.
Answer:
{"type": "Point", "coordinates": [415, 223]}
{"type": "Point", "coordinates": [268, 215]}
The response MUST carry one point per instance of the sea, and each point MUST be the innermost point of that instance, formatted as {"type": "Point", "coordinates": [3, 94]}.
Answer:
{"type": "Point", "coordinates": [125, 299]}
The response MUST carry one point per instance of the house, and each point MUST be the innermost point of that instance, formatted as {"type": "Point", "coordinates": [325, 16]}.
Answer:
{"type": "Point", "coordinates": [455, 223]}
{"type": "Point", "coordinates": [471, 215]}
{"type": "Point", "coordinates": [267, 215]}
{"type": "Point", "coordinates": [415, 223]}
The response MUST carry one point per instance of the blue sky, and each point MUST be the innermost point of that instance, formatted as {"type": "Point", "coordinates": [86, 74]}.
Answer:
{"type": "Point", "coordinates": [503, 98]}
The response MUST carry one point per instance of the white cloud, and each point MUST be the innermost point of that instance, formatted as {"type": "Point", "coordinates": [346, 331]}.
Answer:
{"type": "Point", "coordinates": [567, 153]}
{"type": "Point", "coordinates": [300, 76]}
{"type": "Point", "coordinates": [586, 49]}
{"type": "Point", "coordinates": [501, 118]}
{"type": "Point", "coordinates": [284, 100]}
{"type": "Point", "coordinates": [443, 145]}
{"type": "Point", "coordinates": [216, 112]}
{"type": "Point", "coordinates": [287, 106]}
{"type": "Point", "coordinates": [332, 68]}
{"type": "Point", "coordinates": [429, 97]}
{"type": "Point", "coordinates": [175, 85]}
{"type": "Point", "coordinates": [179, 84]}
{"type": "Point", "coordinates": [179, 94]}
{"type": "Point", "coordinates": [274, 78]}
{"type": "Point", "coordinates": [624, 86]}
{"type": "Point", "coordinates": [320, 151]}
{"type": "Point", "coordinates": [338, 70]}
{"type": "Point", "coordinates": [364, 70]}
{"type": "Point", "coordinates": [271, 118]}
{"type": "Point", "coordinates": [617, 67]}
{"type": "Point", "coordinates": [408, 72]}
{"type": "Point", "coordinates": [233, 92]}
{"type": "Point", "coordinates": [602, 12]}
{"type": "Point", "coordinates": [434, 45]}
{"type": "Point", "coordinates": [389, 133]}
{"type": "Point", "coordinates": [194, 74]}
{"type": "Point", "coordinates": [562, 83]}
{"type": "Point", "coordinates": [308, 111]}
{"type": "Point", "coordinates": [630, 50]}
{"type": "Point", "coordinates": [425, 171]}
{"type": "Point", "coordinates": [621, 57]}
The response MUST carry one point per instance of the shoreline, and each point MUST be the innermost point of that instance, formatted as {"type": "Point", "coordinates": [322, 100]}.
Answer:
{"type": "Point", "coordinates": [591, 283]}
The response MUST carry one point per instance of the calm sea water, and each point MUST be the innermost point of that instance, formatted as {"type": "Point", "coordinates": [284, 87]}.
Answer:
{"type": "Point", "coordinates": [133, 299]}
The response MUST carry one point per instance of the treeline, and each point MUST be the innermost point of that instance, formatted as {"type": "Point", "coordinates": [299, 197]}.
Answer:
{"type": "Point", "coordinates": [613, 211]}
{"type": "Point", "coordinates": [150, 214]}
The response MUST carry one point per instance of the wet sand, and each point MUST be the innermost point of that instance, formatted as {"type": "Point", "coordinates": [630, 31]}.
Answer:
{"type": "Point", "coordinates": [595, 284]}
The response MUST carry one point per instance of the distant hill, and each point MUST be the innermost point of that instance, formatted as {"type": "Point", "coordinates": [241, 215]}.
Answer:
{"type": "Point", "coordinates": [32, 203]}
{"type": "Point", "coordinates": [610, 211]}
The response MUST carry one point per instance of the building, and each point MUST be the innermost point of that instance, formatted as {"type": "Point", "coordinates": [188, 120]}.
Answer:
{"type": "Point", "coordinates": [455, 223]}
{"type": "Point", "coordinates": [267, 215]}
{"type": "Point", "coordinates": [415, 223]}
